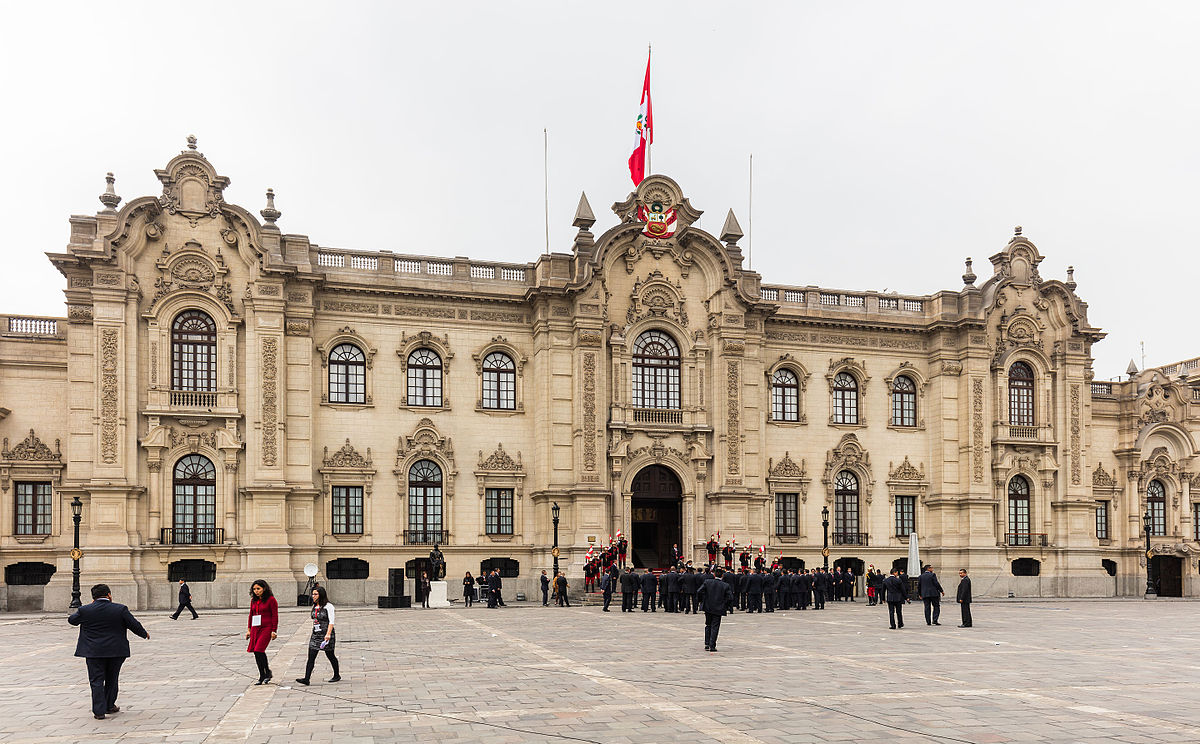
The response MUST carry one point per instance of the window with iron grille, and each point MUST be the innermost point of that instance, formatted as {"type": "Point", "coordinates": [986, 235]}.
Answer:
{"type": "Point", "coordinates": [34, 508]}
{"type": "Point", "coordinates": [347, 510]}
{"type": "Point", "coordinates": [785, 396]}
{"type": "Point", "coordinates": [509, 568]}
{"type": "Point", "coordinates": [192, 570]}
{"type": "Point", "coordinates": [655, 371]}
{"type": "Point", "coordinates": [498, 511]}
{"type": "Point", "coordinates": [787, 514]}
{"type": "Point", "coordinates": [347, 568]}
{"type": "Point", "coordinates": [845, 399]}
{"type": "Point", "coordinates": [1018, 508]}
{"type": "Point", "coordinates": [499, 381]}
{"type": "Point", "coordinates": [904, 401]}
{"type": "Point", "coordinates": [347, 374]}
{"type": "Point", "coordinates": [1196, 522]}
{"type": "Point", "coordinates": [194, 352]}
{"type": "Point", "coordinates": [906, 515]}
{"type": "Point", "coordinates": [1101, 520]}
{"type": "Point", "coordinates": [1020, 394]}
{"type": "Point", "coordinates": [28, 574]}
{"type": "Point", "coordinates": [424, 378]}
{"type": "Point", "coordinates": [845, 494]}
{"type": "Point", "coordinates": [425, 497]}
{"type": "Point", "coordinates": [1156, 503]}
{"type": "Point", "coordinates": [195, 482]}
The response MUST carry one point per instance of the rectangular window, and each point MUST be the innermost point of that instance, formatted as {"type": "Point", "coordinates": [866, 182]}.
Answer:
{"type": "Point", "coordinates": [785, 402]}
{"type": "Point", "coordinates": [1196, 522]}
{"type": "Point", "coordinates": [1101, 520]}
{"type": "Point", "coordinates": [845, 406]}
{"type": "Point", "coordinates": [1158, 517]}
{"type": "Point", "coordinates": [1018, 520]}
{"type": "Point", "coordinates": [906, 515]}
{"type": "Point", "coordinates": [33, 508]}
{"type": "Point", "coordinates": [347, 510]}
{"type": "Point", "coordinates": [498, 511]}
{"type": "Point", "coordinates": [786, 514]}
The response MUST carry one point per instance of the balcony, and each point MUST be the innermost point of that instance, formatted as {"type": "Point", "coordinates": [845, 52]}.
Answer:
{"type": "Point", "coordinates": [426, 537]}
{"type": "Point", "coordinates": [1025, 539]}
{"type": "Point", "coordinates": [657, 416]}
{"type": "Point", "coordinates": [850, 538]}
{"type": "Point", "coordinates": [193, 399]}
{"type": "Point", "coordinates": [192, 535]}
{"type": "Point", "coordinates": [1020, 433]}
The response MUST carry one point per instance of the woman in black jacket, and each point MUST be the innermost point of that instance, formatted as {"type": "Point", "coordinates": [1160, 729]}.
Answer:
{"type": "Point", "coordinates": [468, 589]}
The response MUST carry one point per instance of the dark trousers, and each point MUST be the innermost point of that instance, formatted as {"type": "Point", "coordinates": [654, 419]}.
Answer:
{"type": "Point", "coordinates": [607, 598]}
{"type": "Point", "coordinates": [755, 603]}
{"type": "Point", "coordinates": [818, 599]}
{"type": "Point", "coordinates": [966, 613]}
{"type": "Point", "coordinates": [896, 614]}
{"type": "Point", "coordinates": [675, 601]}
{"type": "Point", "coordinates": [712, 626]}
{"type": "Point", "coordinates": [770, 600]}
{"type": "Point", "coordinates": [933, 609]}
{"type": "Point", "coordinates": [563, 601]}
{"type": "Point", "coordinates": [102, 676]}
{"type": "Point", "coordinates": [686, 602]}
{"type": "Point", "coordinates": [626, 601]}
{"type": "Point", "coordinates": [648, 602]}
{"type": "Point", "coordinates": [545, 597]}
{"type": "Point", "coordinates": [188, 605]}
{"type": "Point", "coordinates": [312, 659]}
{"type": "Point", "coordinates": [805, 600]}
{"type": "Point", "coordinates": [491, 595]}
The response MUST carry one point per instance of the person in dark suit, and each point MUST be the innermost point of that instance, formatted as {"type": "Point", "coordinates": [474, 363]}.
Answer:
{"type": "Point", "coordinates": [629, 583]}
{"type": "Point", "coordinates": [931, 593]}
{"type": "Point", "coordinates": [493, 585]}
{"type": "Point", "coordinates": [733, 581]}
{"type": "Point", "coordinates": [754, 590]}
{"type": "Point", "coordinates": [560, 589]}
{"type": "Point", "coordinates": [545, 580]}
{"type": "Point", "coordinates": [715, 597]}
{"type": "Point", "coordinates": [688, 585]}
{"type": "Point", "coordinates": [649, 591]}
{"type": "Point", "coordinates": [185, 600]}
{"type": "Point", "coordinates": [671, 590]}
{"type": "Point", "coordinates": [896, 595]}
{"type": "Point", "coordinates": [606, 588]}
{"type": "Point", "coordinates": [964, 597]}
{"type": "Point", "coordinates": [105, 646]}
{"type": "Point", "coordinates": [820, 581]}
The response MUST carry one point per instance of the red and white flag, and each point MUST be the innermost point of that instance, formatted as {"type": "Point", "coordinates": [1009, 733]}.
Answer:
{"type": "Point", "coordinates": [643, 134]}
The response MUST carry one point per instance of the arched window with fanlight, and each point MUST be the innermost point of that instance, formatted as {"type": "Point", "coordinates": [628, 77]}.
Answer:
{"type": "Point", "coordinates": [1156, 504]}
{"type": "Point", "coordinates": [424, 378]}
{"type": "Point", "coordinates": [195, 488]}
{"type": "Point", "coordinates": [845, 399]}
{"type": "Point", "coordinates": [194, 352]}
{"type": "Point", "coordinates": [904, 401]}
{"type": "Point", "coordinates": [499, 382]}
{"type": "Point", "coordinates": [347, 374]}
{"type": "Point", "coordinates": [785, 396]}
{"type": "Point", "coordinates": [845, 514]}
{"type": "Point", "coordinates": [1020, 395]}
{"type": "Point", "coordinates": [655, 371]}
{"type": "Point", "coordinates": [424, 504]}
{"type": "Point", "coordinates": [1018, 511]}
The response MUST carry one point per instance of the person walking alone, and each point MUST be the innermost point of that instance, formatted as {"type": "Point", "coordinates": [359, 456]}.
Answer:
{"type": "Point", "coordinates": [104, 645]}
{"type": "Point", "coordinates": [261, 626]}
{"type": "Point", "coordinates": [714, 595]}
{"type": "Point", "coordinates": [964, 597]}
{"type": "Point", "coordinates": [468, 589]}
{"type": "Point", "coordinates": [545, 582]}
{"type": "Point", "coordinates": [185, 600]}
{"type": "Point", "coordinates": [322, 638]}
{"type": "Point", "coordinates": [896, 596]}
{"type": "Point", "coordinates": [931, 593]}
{"type": "Point", "coordinates": [425, 589]}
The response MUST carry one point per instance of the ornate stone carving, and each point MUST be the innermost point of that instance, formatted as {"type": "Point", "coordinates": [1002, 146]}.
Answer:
{"type": "Point", "coordinates": [109, 394]}
{"type": "Point", "coordinates": [1076, 437]}
{"type": "Point", "coordinates": [270, 290]}
{"type": "Point", "coordinates": [497, 317]}
{"type": "Point", "coordinates": [153, 362]}
{"type": "Point", "coordinates": [193, 271]}
{"type": "Point", "coordinates": [656, 297]}
{"type": "Point", "coordinates": [1102, 479]}
{"type": "Point", "coordinates": [500, 461]}
{"type": "Point", "coordinates": [951, 368]}
{"type": "Point", "coordinates": [33, 449]}
{"type": "Point", "coordinates": [299, 326]}
{"type": "Point", "coordinates": [786, 468]}
{"type": "Point", "coordinates": [270, 401]}
{"type": "Point", "coordinates": [733, 432]}
{"type": "Point", "coordinates": [906, 471]}
{"type": "Point", "coordinates": [977, 444]}
{"type": "Point", "coordinates": [79, 313]}
{"type": "Point", "coordinates": [297, 296]}
{"type": "Point", "coordinates": [370, 308]}
{"type": "Point", "coordinates": [589, 411]}
{"type": "Point", "coordinates": [588, 338]}
{"type": "Point", "coordinates": [734, 348]}
{"type": "Point", "coordinates": [850, 455]}
{"type": "Point", "coordinates": [425, 440]}
{"type": "Point", "coordinates": [347, 457]}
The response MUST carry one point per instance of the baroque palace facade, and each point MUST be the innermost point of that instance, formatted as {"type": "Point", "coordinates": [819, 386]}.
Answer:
{"type": "Point", "coordinates": [230, 402]}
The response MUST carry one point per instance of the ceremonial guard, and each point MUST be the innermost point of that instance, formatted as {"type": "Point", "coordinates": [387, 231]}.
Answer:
{"type": "Point", "coordinates": [726, 553]}
{"type": "Point", "coordinates": [712, 546]}
{"type": "Point", "coordinates": [622, 549]}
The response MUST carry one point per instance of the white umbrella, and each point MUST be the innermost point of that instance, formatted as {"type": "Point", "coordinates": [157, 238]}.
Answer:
{"type": "Point", "coordinates": [914, 556]}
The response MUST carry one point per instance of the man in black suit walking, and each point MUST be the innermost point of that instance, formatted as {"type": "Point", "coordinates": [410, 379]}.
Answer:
{"type": "Point", "coordinates": [649, 591]}
{"type": "Point", "coordinates": [896, 596]}
{"type": "Point", "coordinates": [931, 593]}
{"type": "Point", "coordinates": [185, 600]}
{"type": "Point", "coordinates": [103, 643]}
{"type": "Point", "coordinates": [714, 596]}
{"type": "Point", "coordinates": [964, 597]}
{"type": "Point", "coordinates": [629, 585]}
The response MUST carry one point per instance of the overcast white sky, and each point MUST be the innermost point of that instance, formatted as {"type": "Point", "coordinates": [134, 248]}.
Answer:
{"type": "Point", "coordinates": [890, 140]}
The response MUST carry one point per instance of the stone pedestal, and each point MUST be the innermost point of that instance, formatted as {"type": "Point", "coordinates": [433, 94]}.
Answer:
{"type": "Point", "coordinates": [437, 594]}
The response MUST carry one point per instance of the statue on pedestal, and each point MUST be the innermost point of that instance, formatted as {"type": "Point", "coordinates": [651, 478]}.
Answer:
{"type": "Point", "coordinates": [437, 563]}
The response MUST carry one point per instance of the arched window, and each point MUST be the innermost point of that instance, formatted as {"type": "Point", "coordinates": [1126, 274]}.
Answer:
{"type": "Point", "coordinates": [499, 381]}
{"type": "Point", "coordinates": [1020, 394]}
{"type": "Point", "coordinates": [845, 515]}
{"type": "Point", "coordinates": [655, 371]}
{"type": "Point", "coordinates": [347, 374]}
{"type": "Point", "coordinates": [195, 481]}
{"type": "Point", "coordinates": [1018, 511]}
{"type": "Point", "coordinates": [904, 402]}
{"type": "Point", "coordinates": [785, 396]}
{"type": "Point", "coordinates": [424, 378]}
{"type": "Point", "coordinates": [194, 352]}
{"type": "Point", "coordinates": [845, 399]}
{"type": "Point", "coordinates": [424, 504]}
{"type": "Point", "coordinates": [1156, 504]}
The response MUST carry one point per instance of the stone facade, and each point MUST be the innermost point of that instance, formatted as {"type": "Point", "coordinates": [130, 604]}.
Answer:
{"type": "Point", "coordinates": [331, 379]}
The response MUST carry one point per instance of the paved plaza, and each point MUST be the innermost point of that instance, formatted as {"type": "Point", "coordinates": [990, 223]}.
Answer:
{"type": "Point", "coordinates": [1049, 671]}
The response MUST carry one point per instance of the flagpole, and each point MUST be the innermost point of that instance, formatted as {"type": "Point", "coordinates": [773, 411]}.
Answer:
{"type": "Point", "coordinates": [750, 231]}
{"type": "Point", "coordinates": [650, 52]}
{"type": "Point", "coordinates": [546, 182]}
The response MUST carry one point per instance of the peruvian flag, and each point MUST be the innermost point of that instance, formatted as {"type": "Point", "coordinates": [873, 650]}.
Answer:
{"type": "Point", "coordinates": [643, 134]}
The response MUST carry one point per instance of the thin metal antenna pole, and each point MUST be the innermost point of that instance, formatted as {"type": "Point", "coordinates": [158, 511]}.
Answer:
{"type": "Point", "coordinates": [750, 223]}
{"type": "Point", "coordinates": [546, 182]}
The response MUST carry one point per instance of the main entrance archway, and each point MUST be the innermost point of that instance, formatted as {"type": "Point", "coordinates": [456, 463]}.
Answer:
{"type": "Point", "coordinates": [657, 516]}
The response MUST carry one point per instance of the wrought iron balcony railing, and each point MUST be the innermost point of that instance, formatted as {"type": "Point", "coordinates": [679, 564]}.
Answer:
{"type": "Point", "coordinates": [1025, 539]}
{"type": "Point", "coordinates": [850, 538]}
{"type": "Point", "coordinates": [426, 537]}
{"type": "Point", "coordinates": [193, 535]}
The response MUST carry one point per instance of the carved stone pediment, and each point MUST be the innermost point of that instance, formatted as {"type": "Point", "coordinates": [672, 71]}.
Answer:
{"type": "Point", "coordinates": [31, 458]}
{"type": "Point", "coordinates": [656, 296]}
{"type": "Point", "coordinates": [849, 455]}
{"type": "Point", "coordinates": [786, 467]}
{"type": "Point", "coordinates": [191, 186]}
{"type": "Point", "coordinates": [500, 461]}
{"type": "Point", "coordinates": [347, 457]}
{"type": "Point", "coordinates": [32, 449]}
{"type": "Point", "coordinates": [1102, 478]}
{"type": "Point", "coordinates": [906, 471]}
{"type": "Point", "coordinates": [425, 442]}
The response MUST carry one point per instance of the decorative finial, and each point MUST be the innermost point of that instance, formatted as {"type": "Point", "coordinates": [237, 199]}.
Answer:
{"type": "Point", "coordinates": [270, 213]}
{"type": "Point", "coordinates": [191, 140]}
{"type": "Point", "coordinates": [1071, 285]}
{"type": "Point", "coordinates": [731, 233]}
{"type": "Point", "coordinates": [969, 277]}
{"type": "Point", "coordinates": [1017, 231]}
{"type": "Point", "coordinates": [584, 219]}
{"type": "Point", "coordinates": [109, 198]}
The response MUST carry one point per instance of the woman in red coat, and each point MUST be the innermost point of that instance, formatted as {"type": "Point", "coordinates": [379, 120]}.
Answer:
{"type": "Point", "coordinates": [261, 627]}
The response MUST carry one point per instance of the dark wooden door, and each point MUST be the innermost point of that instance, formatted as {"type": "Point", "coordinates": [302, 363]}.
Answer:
{"type": "Point", "coordinates": [1168, 574]}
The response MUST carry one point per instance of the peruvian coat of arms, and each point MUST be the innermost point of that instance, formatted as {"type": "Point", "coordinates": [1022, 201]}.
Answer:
{"type": "Point", "coordinates": [660, 221]}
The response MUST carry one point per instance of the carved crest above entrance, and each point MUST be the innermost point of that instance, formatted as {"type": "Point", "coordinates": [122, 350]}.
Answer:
{"type": "Point", "coordinates": [656, 296]}
{"type": "Point", "coordinates": [191, 186]}
{"type": "Point", "coordinates": [660, 204]}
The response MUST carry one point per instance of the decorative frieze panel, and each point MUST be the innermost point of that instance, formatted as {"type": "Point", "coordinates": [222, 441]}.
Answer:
{"type": "Point", "coordinates": [978, 448]}
{"type": "Point", "coordinates": [1076, 435]}
{"type": "Point", "coordinates": [110, 341]}
{"type": "Point", "coordinates": [589, 411]}
{"type": "Point", "coordinates": [733, 432]}
{"type": "Point", "coordinates": [270, 401]}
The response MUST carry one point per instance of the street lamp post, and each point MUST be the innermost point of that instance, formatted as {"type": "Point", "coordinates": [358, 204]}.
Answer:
{"type": "Point", "coordinates": [825, 529]}
{"type": "Point", "coordinates": [76, 553]}
{"type": "Point", "coordinates": [1151, 592]}
{"type": "Point", "coordinates": [554, 510]}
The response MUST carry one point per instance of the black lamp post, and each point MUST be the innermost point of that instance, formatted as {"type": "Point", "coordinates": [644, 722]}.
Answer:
{"type": "Point", "coordinates": [554, 510]}
{"type": "Point", "coordinates": [1151, 592]}
{"type": "Point", "coordinates": [825, 529]}
{"type": "Point", "coordinates": [76, 553]}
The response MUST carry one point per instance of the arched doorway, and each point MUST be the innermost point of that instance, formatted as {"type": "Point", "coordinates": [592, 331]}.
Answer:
{"type": "Point", "coordinates": [656, 517]}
